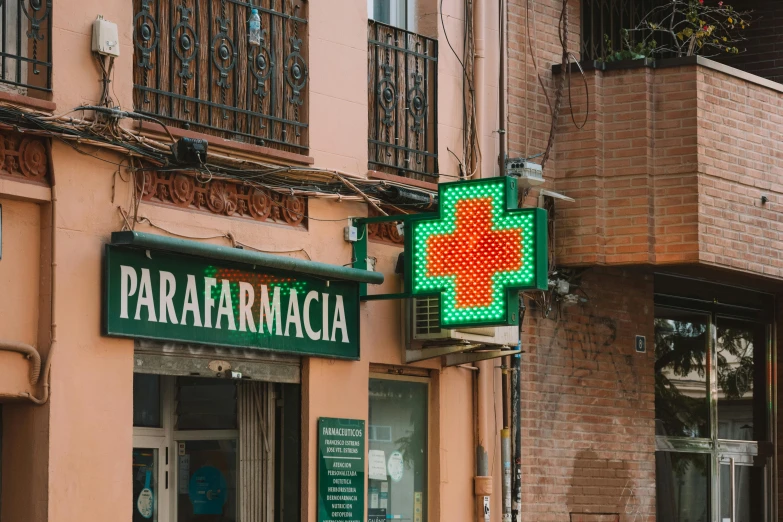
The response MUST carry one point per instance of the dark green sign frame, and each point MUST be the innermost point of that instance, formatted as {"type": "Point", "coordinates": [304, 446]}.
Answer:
{"type": "Point", "coordinates": [341, 458]}
{"type": "Point", "coordinates": [173, 297]}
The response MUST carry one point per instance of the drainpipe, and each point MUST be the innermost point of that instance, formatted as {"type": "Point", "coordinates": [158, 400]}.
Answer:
{"type": "Point", "coordinates": [516, 422]}
{"type": "Point", "coordinates": [479, 76]}
{"type": "Point", "coordinates": [482, 482]}
{"type": "Point", "coordinates": [502, 53]}
{"type": "Point", "coordinates": [30, 352]}
{"type": "Point", "coordinates": [505, 435]}
{"type": "Point", "coordinates": [53, 279]}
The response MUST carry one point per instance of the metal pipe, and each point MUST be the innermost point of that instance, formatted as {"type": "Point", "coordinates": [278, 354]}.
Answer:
{"type": "Point", "coordinates": [505, 456]}
{"type": "Point", "coordinates": [29, 353]}
{"type": "Point", "coordinates": [479, 75]}
{"type": "Point", "coordinates": [516, 424]}
{"type": "Point", "coordinates": [184, 246]}
{"type": "Point", "coordinates": [502, 15]}
{"type": "Point", "coordinates": [732, 488]}
{"type": "Point", "coordinates": [516, 420]}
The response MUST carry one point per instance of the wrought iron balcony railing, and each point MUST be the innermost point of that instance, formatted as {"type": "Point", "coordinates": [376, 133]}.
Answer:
{"type": "Point", "coordinates": [26, 45]}
{"type": "Point", "coordinates": [194, 68]}
{"type": "Point", "coordinates": [403, 108]}
{"type": "Point", "coordinates": [604, 20]}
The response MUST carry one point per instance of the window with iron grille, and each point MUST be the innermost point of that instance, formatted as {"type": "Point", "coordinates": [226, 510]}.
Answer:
{"type": "Point", "coordinates": [195, 69]}
{"type": "Point", "coordinates": [403, 108]}
{"type": "Point", "coordinates": [26, 47]}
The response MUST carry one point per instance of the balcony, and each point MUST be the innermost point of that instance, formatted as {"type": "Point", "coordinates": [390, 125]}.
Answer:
{"type": "Point", "coordinates": [26, 47]}
{"type": "Point", "coordinates": [194, 69]}
{"type": "Point", "coordinates": [403, 109]}
{"type": "Point", "coordinates": [672, 167]}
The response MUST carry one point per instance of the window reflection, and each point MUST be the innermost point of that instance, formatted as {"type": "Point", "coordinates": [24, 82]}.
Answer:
{"type": "Point", "coordinates": [146, 400]}
{"type": "Point", "coordinates": [681, 406]}
{"type": "Point", "coordinates": [397, 452]}
{"type": "Point", "coordinates": [682, 487]}
{"type": "Point", "coordinates": [741, 413]}
{"type": "Point", "coordinates": [746, 507]}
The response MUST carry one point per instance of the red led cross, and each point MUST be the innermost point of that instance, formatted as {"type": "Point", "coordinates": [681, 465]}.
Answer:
{"type": "Point", "coordinates": [474, 253]}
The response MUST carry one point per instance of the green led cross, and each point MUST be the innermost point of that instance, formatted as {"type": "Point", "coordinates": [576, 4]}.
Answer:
{"type": "Point", "coordinates": [479, 252]}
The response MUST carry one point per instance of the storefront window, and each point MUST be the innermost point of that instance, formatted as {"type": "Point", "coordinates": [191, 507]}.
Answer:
{"type": "Point", "coordinates": [207, 489]}
{"type": "Point", "coordinates": [681, 340]}
{"type": "Point", "coordinates": [146, 400]}
{"type": "Point", "coordinates": [741, 397]}
{"type": "Point", "coordinates": [145, 485]}
{"type": "Point", "coordinates": [397, 450]}
{"type": "Point", "coordinates": [682, 486]}
{"type": "Point", "coordinates": [215, 450]}
{"type": "Point", "coordinates": [206, 404]}
{"type": "Point", "coordinates": [712, 407]}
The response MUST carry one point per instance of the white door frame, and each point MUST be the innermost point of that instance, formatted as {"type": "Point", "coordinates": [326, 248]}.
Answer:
{"type": "Point", "coordinates": [165, 440]}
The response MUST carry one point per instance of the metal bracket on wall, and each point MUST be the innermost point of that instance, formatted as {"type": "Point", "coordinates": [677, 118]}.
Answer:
{"type": "Point", "coordinates": [478, 355]}
{"type": "Point", "coordinates": [423, 354]}
{"type": "Point", "coordinates": [360, 252]}
{"type": "Point", "coordinates": [459, 354]}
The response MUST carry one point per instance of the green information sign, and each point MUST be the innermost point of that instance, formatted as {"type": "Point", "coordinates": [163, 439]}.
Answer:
{"type": "Point", "coordinates": [340, 470]}
{"type": "Point", "coordinates": [161, 295]}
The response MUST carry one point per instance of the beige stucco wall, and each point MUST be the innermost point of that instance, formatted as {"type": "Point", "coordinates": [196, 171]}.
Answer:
{"type": "Point", "coordinates": [79, 446]}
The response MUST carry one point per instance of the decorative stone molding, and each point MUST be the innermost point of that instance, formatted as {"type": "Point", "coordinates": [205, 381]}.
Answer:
{"type": "Point", "coordinates": [384, 232]}
{"type": "Point", "coordinates": [222, 197]}
{"type": "Point", "coordinates": [24, 157]}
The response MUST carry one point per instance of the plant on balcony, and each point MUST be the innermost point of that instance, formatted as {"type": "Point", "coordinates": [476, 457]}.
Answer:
{"type": "Point", "coordinates": [680, 28]}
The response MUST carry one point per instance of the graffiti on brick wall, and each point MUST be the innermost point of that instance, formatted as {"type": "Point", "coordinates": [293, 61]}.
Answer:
{"type": "Point", "coordinates": [586, 340]}
{"type": "Point", "coordinates": [587, 375]}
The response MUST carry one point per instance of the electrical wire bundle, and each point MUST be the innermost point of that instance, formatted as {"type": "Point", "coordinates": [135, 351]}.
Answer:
{"type": "Point", "coordinates": [144, 153]}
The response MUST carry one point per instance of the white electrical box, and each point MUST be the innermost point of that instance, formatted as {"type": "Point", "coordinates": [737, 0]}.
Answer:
{"type": "Point", "coordinates": [530, 174]}
{"type": "Point", "coordinates": [105, 39]}
{"type": "Point", "coordinates": [351, 233]}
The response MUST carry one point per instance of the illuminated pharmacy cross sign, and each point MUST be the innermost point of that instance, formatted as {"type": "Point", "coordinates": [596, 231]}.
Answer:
{"type": "Point", "coordinates": [479, 252]}
{"type": "Point", "coordinates": [474, 253]}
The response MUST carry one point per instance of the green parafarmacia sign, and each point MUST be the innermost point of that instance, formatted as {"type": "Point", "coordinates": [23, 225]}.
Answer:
{"type": "Point", "coordinates": [340, 470]}
{"type": "Point", "coordinates": [166, 296]}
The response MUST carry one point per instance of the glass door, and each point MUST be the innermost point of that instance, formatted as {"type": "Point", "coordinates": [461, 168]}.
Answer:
{"type": "Point", "coordinates": [743, 419]}
{"type": "Point", "coordinates": [713, 417]}
{"type": "Point", "coordinates": [150, 480]}
{"type": "Point", "coordinates": [150, 451]}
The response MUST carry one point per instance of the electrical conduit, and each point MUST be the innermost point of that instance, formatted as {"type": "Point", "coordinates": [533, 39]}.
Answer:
{"type": "Point", "coordinates": [29, 353]}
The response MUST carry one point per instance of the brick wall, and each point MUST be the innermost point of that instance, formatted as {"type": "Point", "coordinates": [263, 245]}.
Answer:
{"type": "Point", "coordinates": [588, 404]}
{"type": "Point", "coordinates": [529, 117]}
{"type": "Point", "coordinates": [632, 170]}
{"type": "Point", "coordinates": [741, 159]}
{"type": "Point", "coordinates": [670, 169]}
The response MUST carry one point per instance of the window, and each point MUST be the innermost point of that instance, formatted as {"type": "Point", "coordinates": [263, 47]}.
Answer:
{"type": "Point", "coordinates": [397, 486]}
{"type": "Point", "coordinates": [379, 434]}
{"type": "Point", "coordinates": [26, 39]}
{"type": "Point", "coordinates": [403, 86]}
{"type": "Point", "coordinates": [194, 69]}
{"type": "Point", "coordinates": [398, 13]}
{"type": "Point", "coordinates": [215, 450]}
{"type": "Point", "coordinates": [711, 402]}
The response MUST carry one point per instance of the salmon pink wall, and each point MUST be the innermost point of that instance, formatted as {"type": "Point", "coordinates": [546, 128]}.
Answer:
{"type": "Point", "coordinates": [83, 437]}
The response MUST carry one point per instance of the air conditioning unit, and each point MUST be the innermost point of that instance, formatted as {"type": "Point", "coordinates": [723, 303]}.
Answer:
{"type": "Point", "coordinates": [425, 339]}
